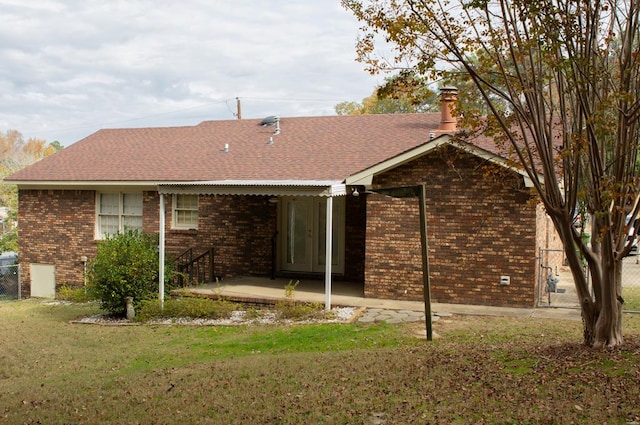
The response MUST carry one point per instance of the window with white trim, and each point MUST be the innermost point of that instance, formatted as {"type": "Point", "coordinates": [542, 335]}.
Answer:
{"type": "Point", "coordinates": [118, 212]}
{"type": "Point", "coordinates": [185, 211]}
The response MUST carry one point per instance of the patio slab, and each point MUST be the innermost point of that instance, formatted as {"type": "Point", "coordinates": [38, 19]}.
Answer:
{"type": "Point", "coordinates": [349, 294]}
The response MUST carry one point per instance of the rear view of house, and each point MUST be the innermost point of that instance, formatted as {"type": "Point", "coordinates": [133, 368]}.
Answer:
{"type": "Point", "coordinates": [258, 194]}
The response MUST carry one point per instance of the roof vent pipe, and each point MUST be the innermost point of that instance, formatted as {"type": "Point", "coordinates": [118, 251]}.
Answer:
{"type": "Point", "coordinates": [226, 147]}
{"type": "Point", "coordinates": [277, 130]}
{"type": "Point", "coordinates": [448, 98]}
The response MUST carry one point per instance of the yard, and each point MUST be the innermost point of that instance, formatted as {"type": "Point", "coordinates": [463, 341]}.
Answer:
{"type": "Point", "coordinates": [477, 370]}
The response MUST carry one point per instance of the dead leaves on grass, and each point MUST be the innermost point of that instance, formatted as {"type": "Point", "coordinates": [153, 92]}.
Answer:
{"type": "Point", "coordinates": [535, 377]}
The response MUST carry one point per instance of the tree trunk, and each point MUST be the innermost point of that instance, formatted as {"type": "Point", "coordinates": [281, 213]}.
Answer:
{"type": "Point", "coordinates": [602, 311]}
{"type": "Point", "coordinates": [589, 309]}
{"type": "Point", "coordinates": [608, 326]}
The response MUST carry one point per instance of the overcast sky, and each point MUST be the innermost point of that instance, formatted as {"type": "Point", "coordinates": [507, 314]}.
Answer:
{"type": "Point", "coordinates": [71, 67]}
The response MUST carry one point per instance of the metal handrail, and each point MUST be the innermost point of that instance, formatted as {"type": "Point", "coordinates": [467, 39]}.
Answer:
{"type": "Point", "coordinates": [199, 269]}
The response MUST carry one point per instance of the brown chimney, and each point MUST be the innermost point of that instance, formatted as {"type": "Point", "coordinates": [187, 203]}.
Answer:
{"type": "Point", "coordinates": [448, 98]}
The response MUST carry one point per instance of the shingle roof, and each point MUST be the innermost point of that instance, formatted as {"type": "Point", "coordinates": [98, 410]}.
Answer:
{"type": "Point", "coordinates": [307, 148]}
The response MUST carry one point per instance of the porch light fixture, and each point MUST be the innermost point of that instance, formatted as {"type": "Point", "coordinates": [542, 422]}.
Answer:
{"type": "Point", "coordinates": [354, 192]}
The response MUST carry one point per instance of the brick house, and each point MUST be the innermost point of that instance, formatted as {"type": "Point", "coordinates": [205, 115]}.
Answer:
{"type": "Point", "coordinates": [258, 192]}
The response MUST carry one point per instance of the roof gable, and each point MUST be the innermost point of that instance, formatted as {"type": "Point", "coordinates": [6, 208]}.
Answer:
{"type": "Point", "coordinates": [365, 177]}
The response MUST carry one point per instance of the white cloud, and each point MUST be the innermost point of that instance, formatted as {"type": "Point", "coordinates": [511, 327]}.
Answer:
{"type": "Point", "coordinates": [71, 67]}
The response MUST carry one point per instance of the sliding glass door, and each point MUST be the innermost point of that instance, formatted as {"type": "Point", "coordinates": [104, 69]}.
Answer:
{"type": "Point", "coordinates": [303, 224]}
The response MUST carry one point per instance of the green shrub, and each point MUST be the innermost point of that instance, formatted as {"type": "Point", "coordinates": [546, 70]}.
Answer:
{"type": "Point", "coordinates": [75, 294]}
{"type": "Point", "coordinates": [126, 265]}
{"type": "Point", "coordinates": [9, 241]}
{"type": "Point", "coordinates": [299, 310]}
{"type": "Point", "coordinates": [197, 308]}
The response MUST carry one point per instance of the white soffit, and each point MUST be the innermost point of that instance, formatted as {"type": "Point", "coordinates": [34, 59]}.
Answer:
{"type": "Point", "coordinates": [255, 187]}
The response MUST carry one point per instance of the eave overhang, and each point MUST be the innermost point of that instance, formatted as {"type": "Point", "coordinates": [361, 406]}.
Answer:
{"type": "Point", "coordinates": [223, 187]}
{"type": "Point", "coordinates": [82, 184]}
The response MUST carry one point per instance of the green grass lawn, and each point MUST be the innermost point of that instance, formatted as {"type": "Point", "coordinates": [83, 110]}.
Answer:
{"type": "Point", "coordinates": [631, 297]}
{"type": "Point", "coordinates": [477, 370]}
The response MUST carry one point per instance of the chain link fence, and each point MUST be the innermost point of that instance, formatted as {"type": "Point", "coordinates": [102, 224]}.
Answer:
{"type": "Point", "coordinates": [556, 287]}
{"type": "Point", "coordinates": [10, 282]}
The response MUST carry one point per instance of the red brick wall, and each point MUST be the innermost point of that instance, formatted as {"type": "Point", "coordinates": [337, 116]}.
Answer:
{"type": "Point", "coordinates": [239, 228]}
{"type": "Point", "coordinates": [56, 227]}
{"type": "Point", "coordinates": [151, 212]}
{"type": "Point", "coordinates": [481, 225]}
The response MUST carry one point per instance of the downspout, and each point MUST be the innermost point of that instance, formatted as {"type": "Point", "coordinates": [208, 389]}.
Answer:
{"type": "Point", "coordinates": [328, 257]}
{"type": "Point", "coordinates": [161, 252]}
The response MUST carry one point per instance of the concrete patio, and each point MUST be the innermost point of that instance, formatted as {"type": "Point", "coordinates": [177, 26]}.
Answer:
{"type": "Point", "coordinates": [265, 290]}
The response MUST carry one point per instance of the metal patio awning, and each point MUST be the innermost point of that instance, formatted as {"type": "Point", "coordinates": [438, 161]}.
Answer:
{"type": "Point", "coordinates": [328, 189]}
{"type": "Point", "coordinates": [256, 188]}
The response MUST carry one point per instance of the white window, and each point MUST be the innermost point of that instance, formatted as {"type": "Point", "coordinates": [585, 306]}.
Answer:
{"type": "Point", "coordinates": [118, 212]}
{"type": "Point", "coordinates": [185, 211]}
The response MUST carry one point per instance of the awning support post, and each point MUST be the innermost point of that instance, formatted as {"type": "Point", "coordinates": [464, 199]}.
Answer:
{"type": "Point", "coordinates": [161, 253]}
{"type": "Point", "coordinates": [328, 258]}
{"type": "Point", "coordinates": [426, 284]}
{"type": "Point", "coordinates": [420, 192]}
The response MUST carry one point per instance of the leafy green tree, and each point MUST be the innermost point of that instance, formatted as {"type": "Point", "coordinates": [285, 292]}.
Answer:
{"type": "Point", "coordinates": [126, 265]}
{"type": "Point", "coordinates": [561, 82]}
{"type": "Point", "coordinates": [405, 92]}
{"type": "Point", "coordinates": [349, 108]}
